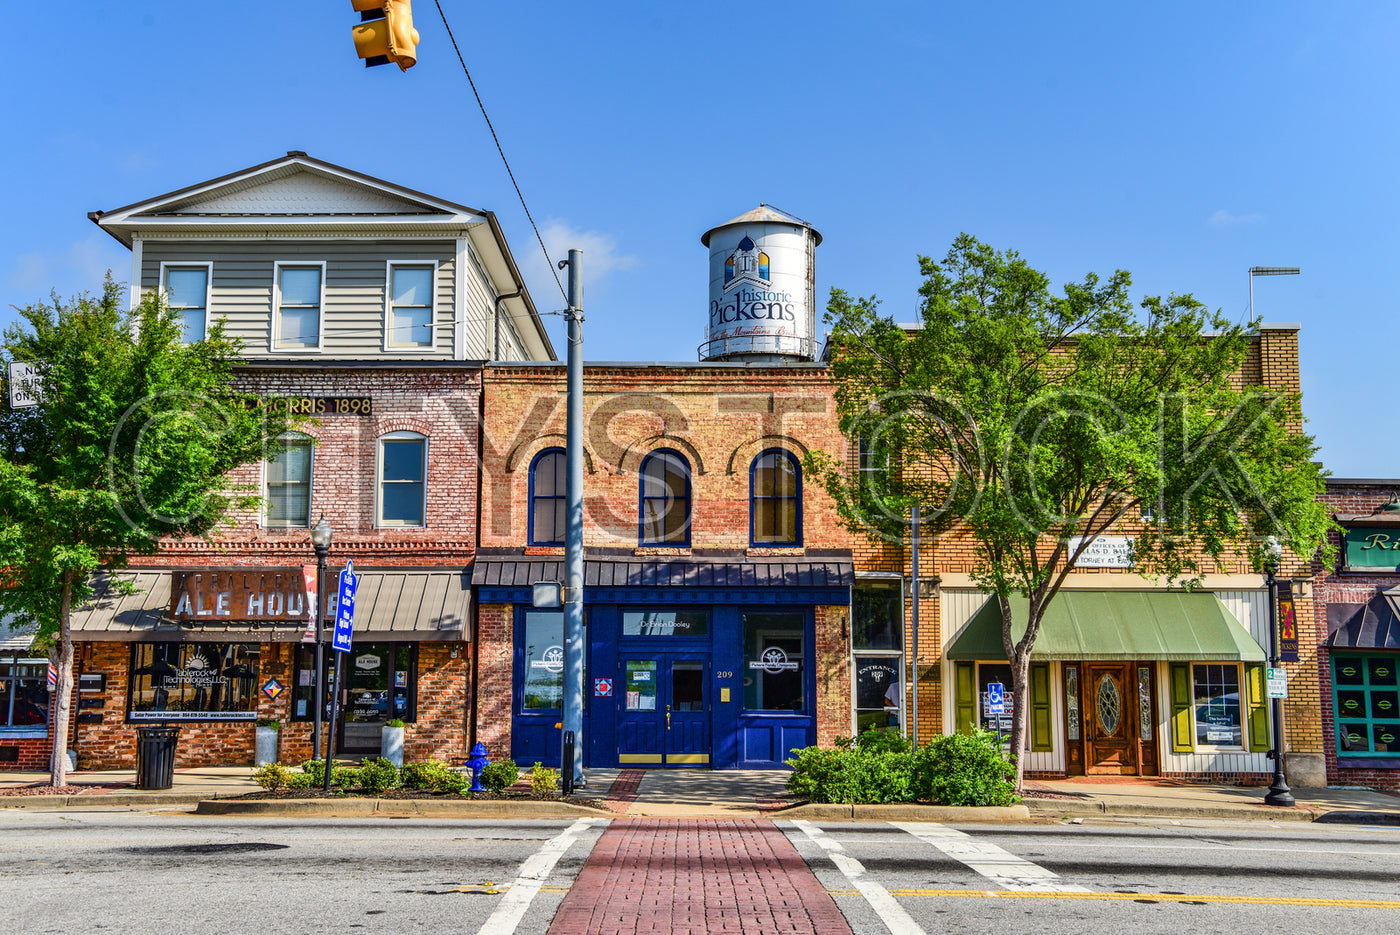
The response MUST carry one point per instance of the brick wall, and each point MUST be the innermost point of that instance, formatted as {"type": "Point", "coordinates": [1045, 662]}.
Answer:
{"type": "Point", "coordinates": [833, 674]}
{"type": "Point", "coordinates": [495, 627]}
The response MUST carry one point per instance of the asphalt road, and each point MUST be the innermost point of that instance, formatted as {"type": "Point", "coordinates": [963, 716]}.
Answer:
{"type": "Point", "coordinates": [82, 871]}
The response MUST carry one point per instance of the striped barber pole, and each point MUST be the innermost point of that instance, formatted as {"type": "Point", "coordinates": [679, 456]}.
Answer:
{"type": "Point", "coordinates": [53, 678]}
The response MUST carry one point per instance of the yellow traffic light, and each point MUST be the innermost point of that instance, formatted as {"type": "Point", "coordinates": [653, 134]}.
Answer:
{"type": "Point", "coordinates": [387, 35]}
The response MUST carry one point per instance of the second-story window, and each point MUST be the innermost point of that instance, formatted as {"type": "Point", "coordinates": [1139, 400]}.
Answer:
{"type": "Point", "coordinates": [288, 492]}
{"type": "Point", "coordinates": [410, 311]}
{"type": "Point", "coordinates": [547, 497]}
{"type": "Point", "coordinates": [403, 461]}
{"type": "Point", "coordinates": [297, 306]}
{"type": "Point", "coordinates": [775, 499]}
{"type": "Point", "coordinates": [187, 287]}
{"type": "Point", "coordinates": [665, 499]}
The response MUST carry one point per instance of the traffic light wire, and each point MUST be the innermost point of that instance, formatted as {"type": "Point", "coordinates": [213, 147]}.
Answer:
{"type": "Point", "coordinates": [552, 269]}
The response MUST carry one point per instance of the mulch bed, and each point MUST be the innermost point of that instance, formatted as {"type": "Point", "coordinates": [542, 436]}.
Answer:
{"type": "Point", "coordinates": [45, 789]}
{"type": "Point", "coordinates": [423, 794]}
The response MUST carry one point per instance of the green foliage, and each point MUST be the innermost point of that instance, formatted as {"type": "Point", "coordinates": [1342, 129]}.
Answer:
{"type": "Point", "coordinates": [544, 781]}
{"type": "Point", "coordinates": [500, 775]}
{"type": "Point", "coordinates": [1024, 420]}
{"type": "Point", "coordinates": [297, 782]}
{"type": "Point", "coordinates": [428, 775]}
{"type": "Point", "coordinates": [393, 722]}
{"type": "Point", "coordinates": [878, 740]}
{"type": "Point", "coordinates": [344, 777]}
{"type": "Point", "coordinates": [954, 770]}
{"type": "Point", "coordinates": [375, 774]}
{"type": "Point", "coordinates": [457, 783]}
{"type": "Point", "coordinates": [274, 777]}
{"type": "Point", "coordinates": [269, 722]}
{"type": "Point", "coordinates": [316, 769]}
{"type": "Point", "coordinates": [964, 769]}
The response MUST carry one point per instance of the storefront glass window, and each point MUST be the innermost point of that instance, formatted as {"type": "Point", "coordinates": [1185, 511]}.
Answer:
{"type": "Point", "coordinates": [666, 623]}
{"type": "Point", "coordinates": [544, 660]}
{"type": "Point", "coordinates": [641, 685]}
{"type": "Point", "coordinates": [24, 692]}
{"type": "Point", "coordinates": [1367, 705]}
{"type": "Point", "coordinates": [1072, 702]}
{"type": "Point", "coordinates": [1217, 705]}
{"type": "Point", "coordinates": [879, 693]}
{"type": "Point", "coordinates": [774, 663]}
{"type": "Point", "coordinates": [380, 681]}
{"type": "Point", "coordinates": [194, 682]}
{"type": "Point", "coordinates": [877, 616]}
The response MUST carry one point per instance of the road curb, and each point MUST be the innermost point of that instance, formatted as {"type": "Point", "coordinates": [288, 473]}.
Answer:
{"type": "Point", "coordinates": [1057, 808]}
{"type": "Point", "coordinates": [393, 808]}
{"type": "Point", "coordinates": [1359, 818]}
{"type": "Point", "coordinates": [104, 800]}
{"type": "Point", "coordinates": [904, 812]}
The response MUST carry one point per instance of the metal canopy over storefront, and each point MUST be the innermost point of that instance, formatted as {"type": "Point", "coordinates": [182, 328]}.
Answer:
{"type": "Point", "coordinates": [1372, 625]}
{"type": "Point", "coordinates": [391, 605]}
{"type": "Point", "coordinates": [1114, 625]}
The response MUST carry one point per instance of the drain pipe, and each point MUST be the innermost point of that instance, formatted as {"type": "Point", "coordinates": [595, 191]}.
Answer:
{"type": "Point", "coordinates": [496, 322]}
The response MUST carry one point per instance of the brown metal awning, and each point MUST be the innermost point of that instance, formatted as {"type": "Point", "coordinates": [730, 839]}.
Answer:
{"type": "Point", "coordinates": [392, 605]}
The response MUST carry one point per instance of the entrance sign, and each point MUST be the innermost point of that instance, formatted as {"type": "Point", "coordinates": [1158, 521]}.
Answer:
{"type": "Point", "coordinates": [1277, 683]}
{"type": "Point", "coordinates": [345, 609]}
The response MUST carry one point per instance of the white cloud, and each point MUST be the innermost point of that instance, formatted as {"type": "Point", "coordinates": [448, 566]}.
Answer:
{"type": "Point", "coordinates": [600, 259]}
{"type": "Point", "coordinates": [1223, 218]}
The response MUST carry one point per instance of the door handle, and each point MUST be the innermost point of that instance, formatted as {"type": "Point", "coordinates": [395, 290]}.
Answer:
{"type": "Point", "coordinates": [668, 717]}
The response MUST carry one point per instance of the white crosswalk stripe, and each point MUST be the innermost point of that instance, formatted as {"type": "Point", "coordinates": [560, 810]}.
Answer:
{"type": "Point", "coordinates": [1006, 869]}
{"type": "Point", "coordinates": [533, 872]}
{"type": "Point", "coordinates": [890, 912]}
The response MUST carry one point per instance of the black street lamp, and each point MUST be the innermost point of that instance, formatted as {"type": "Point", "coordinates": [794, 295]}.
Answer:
{"type": "Point", "coordinates": [1279, 793]}
{"type": "Point", "coordinates": [321, 542]}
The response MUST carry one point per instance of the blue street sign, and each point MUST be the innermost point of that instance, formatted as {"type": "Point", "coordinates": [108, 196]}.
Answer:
{"type": "Point", "coordinates": [996, 700]}
{"type": "Point", "coordinates": [345, 608]}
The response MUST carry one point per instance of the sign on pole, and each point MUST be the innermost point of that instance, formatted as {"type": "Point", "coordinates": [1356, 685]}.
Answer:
{"type": "Point", "coordinates": [1277, 683]}
{"type": "Point", "coordinates": [996, 699]}
{"type": "Point", "coordinates": [345, 608]}
{"type": "Point", "coordinates": [24, 385]}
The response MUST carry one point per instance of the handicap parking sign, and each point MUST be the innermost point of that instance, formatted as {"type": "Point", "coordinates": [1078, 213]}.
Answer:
{"type": "Point", "coordinates": [996, 699]}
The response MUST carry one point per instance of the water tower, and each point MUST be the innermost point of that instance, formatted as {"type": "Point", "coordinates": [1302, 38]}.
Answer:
{"type": "Point", "coordinates": [763, 288]}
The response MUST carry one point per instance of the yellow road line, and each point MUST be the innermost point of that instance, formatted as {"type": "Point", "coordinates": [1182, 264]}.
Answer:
{"type": "Point", "coordinates": [1155, 897]}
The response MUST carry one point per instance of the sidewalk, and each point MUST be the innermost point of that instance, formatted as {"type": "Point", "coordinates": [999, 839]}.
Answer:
{"type": "Point", "coordinates": [1165, 798]}
{"type": "Point", "coordinates": [117, 787]}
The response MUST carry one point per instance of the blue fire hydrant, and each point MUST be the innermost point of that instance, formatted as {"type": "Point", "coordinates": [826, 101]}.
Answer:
{"type": "Point", "coordinates": [477, 761]}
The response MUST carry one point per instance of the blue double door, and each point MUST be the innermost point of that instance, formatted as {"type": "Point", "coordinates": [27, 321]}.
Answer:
{"type": "Point", "coordinates": [664, 709]}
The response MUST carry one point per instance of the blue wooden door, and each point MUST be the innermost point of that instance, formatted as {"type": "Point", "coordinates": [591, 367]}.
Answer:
{"type": "Point", "coordinates": [663, 709]}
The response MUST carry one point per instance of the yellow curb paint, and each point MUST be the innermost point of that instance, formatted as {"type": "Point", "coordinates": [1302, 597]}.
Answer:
{"type": "Point", "coordinates": [1155, 897]}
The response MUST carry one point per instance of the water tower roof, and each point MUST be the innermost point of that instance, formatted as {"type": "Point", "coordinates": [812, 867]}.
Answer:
{"type": "Point", "coordinates": [761, 215]}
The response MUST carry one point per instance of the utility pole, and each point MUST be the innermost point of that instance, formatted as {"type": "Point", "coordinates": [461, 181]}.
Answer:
{"type": "Point", "coordinates": [914, 636]}
{"type": "Point", "coordinates": [573, 541]}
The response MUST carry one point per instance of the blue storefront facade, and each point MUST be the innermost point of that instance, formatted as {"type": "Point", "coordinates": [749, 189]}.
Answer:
{"type": "Point", "coordinates": [724, 660]}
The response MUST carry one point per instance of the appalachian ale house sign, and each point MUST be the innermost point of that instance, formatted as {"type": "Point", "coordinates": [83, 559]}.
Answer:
{"type": "Point", "coordinates": [268, 594]}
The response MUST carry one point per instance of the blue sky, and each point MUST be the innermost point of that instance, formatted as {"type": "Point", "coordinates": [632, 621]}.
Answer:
{"type": "Point", "coordinates": [1183, 143]}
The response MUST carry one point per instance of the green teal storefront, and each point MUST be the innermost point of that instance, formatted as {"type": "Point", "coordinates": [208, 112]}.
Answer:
{"type": "Point", "coordinates": [704, 661]}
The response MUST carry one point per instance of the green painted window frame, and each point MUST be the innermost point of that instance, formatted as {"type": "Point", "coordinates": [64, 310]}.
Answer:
{"type": "Point", "coordinates": [1368, 708]}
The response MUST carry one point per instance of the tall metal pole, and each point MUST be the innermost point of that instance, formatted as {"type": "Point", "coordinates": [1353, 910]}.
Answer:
{"type": "Point", "coordinates": [914, 637]}
{"type": "Point", "coordinates": [573, 541]}
{"type": "Point", "coordinates": [330, 729]}
{"type": "Point", "coordinates": [318, 687]}
{"type": "Point", "coordinates": [1279, 793]}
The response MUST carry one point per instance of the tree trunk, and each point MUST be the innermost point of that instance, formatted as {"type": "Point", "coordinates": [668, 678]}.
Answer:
{"type": "Point", "coordinates": [1020, 684]}
{"type": "Point", "coordinates": [62, 702]}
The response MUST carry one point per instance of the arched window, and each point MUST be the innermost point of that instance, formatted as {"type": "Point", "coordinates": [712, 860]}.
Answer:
{"type": "Point", "coordinates": [775, 499]}
{"type": "Point", "coordinates": [403, 468]}
{"type": "Point", "coordinates": [547, 496]}
{"type": "Point", "coordinates": [665, 499]}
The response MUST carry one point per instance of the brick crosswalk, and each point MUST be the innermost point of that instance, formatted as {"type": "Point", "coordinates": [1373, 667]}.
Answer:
{"type": "Point", "coordinates": [696, 877]}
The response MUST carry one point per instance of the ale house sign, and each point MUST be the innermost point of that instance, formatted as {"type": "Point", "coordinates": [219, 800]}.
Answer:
{"type": "Point", "coordinates": [268, 594]}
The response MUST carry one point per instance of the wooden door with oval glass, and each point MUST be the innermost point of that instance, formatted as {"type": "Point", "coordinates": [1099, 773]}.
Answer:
{"type": "Point", "coordinates": [663, 710]}
{"type": "Point", "coordinates": [1110, 719]}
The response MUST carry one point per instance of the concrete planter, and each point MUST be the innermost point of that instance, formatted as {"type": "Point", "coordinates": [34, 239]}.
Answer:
{"type": "Point", "coordinates": [265, 745]}
{"type": "Point", "coordinates": [391, 744]}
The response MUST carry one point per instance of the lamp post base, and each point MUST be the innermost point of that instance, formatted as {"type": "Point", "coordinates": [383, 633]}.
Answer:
{"type": "Point", "coordinates": [1279, 793]}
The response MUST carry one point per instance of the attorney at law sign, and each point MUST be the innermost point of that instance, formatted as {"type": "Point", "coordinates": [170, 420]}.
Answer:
{"type": "Point", "coordinates": [1104, 552]}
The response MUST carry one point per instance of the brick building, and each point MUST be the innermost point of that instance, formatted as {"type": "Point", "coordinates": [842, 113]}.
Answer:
{"type": "Point", "coordinates": [371, 307]}
{"type": "Point", "coordinates": [716, 581]}
{"type": "Point", "coordinates": [1357, 634]}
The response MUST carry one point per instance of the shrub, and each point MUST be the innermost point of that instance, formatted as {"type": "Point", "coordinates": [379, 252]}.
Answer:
{"type": "Point", "coordinates": [850, 774]}
{"type": "Point", "coordinates": [376, 774]}
{"type": "Point", "coordinates": [344, 776]}
{"type": "Point", "coordinates": [269, 722]}
{"type": "Point", "coordinates": [429, 775]}
{"type": "Point", "coordinates": [544, 781]}
{"type": "Point", "coordinates": [964, 769]}
{"type": "Point", "coordinates": [316, 769]}
{"type": "Point", "coordinates": [274, 777]}
{"type": "Point", "coordinates": [878, 740]}
{"type": "Point", "coordinates": [501, 775]}
{"type": "Point", "coordinates": [298, 781]}
{"type": "Point", "coordinates": [394, 722]}
{"type": "Point", "coordinates": [457, 783]}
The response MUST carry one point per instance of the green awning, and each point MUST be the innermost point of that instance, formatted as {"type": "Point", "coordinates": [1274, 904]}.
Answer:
{"type": "Point", "coordinates": [1105, 625]}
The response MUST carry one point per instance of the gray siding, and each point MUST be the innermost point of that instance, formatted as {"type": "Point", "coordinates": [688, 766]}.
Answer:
{"type": "Point", "coordinates": [481, 338]}
{"type": "Point", "coordinates": [355, 289]}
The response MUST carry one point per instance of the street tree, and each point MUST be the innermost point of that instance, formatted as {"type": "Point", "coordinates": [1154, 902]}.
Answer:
{"type": "Point", "coordinates": [1027, 423]}
{"type": "Point", "coordinates": [131, 442]}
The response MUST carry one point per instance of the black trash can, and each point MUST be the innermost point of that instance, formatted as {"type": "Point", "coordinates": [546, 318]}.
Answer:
{"type": "Point", "coordinates": [155, 757]}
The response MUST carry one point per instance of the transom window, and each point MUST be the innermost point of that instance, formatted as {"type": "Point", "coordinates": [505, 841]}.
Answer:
{"type": "Point", "coordinates": [300, 290]}
{"type": "Point", "coordinates": [1367, 705]}
{"type": "Point", "coordinates": [410, 311]}
{"type": "Point", "coordinates": [665, 493]}
{"type": "Point", "coordinates": [403, 459]}
{"type": "Point", "coordinates": [187, 288]}
{"type": "Point", "coordinates": [775, 513]}
{"type": "Point", "coordinates": [288, 492]}
{"type": "Point", "coordinates": [547, 497]}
